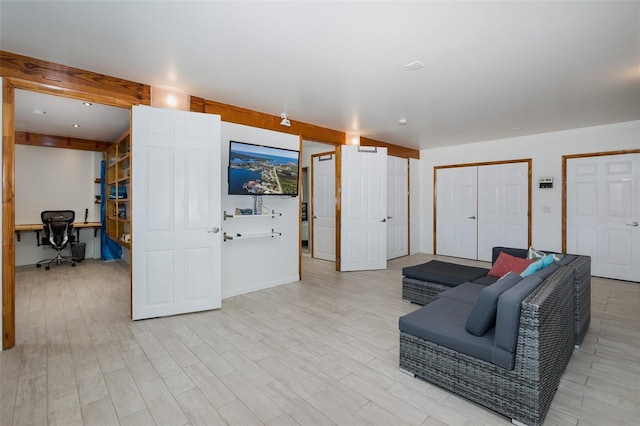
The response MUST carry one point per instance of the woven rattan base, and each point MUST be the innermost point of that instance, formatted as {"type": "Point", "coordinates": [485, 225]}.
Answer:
{"type": "Point", "coordinates": [421, 292]}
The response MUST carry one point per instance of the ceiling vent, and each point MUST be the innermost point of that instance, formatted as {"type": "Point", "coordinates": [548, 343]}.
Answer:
{"type": "Point", "coordinates": [415, 65]}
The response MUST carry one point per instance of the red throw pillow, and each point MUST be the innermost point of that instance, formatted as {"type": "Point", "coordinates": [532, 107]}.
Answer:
{"type": "Point", "coordinates": [507, 263]}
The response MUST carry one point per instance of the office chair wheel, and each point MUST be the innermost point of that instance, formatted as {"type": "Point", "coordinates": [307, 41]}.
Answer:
{"type": "Point", "coordinates": [38, 265]}
{"type": "Point", "coordinates": [47, 268]}
{"type": "Point", "coordinates": [73, 264]}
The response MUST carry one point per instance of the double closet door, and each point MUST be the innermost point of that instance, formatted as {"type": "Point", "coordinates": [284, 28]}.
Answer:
{"type": "Point", "coordinates": [481, 206]}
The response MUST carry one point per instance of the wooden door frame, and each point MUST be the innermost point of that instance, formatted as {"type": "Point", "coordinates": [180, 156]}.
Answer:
{"type": "Point", "coordinates": [490, 163]}
{"type": "Point", "coordinates": [565, 158]}
{"type": "Point", "coordinates": [102, 93]}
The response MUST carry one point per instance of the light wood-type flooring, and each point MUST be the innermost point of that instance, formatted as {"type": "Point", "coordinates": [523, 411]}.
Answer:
{"type": "Point", "coordinates": [320, 351]}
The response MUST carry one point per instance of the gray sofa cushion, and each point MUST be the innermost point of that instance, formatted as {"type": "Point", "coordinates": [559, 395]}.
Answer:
{"type": "Point", "coordinates": [466, 292]}
{"type": "Point", "coordinates": [483, 315]}
{"type": "Point", "coordinates": [446, 273]}
{"type": "Point", "coordinates": [442, 322]}
{"type": "Point", "coordinates": [517, 252]}
{"type": "Point", "coordinates": [568, 258]}
{"type": "Point", "coordinates": [544, 273]}
{"type": "Point", "coordinates": [486, 280]}
{"type": "Point", "coordinates": [508, 315]}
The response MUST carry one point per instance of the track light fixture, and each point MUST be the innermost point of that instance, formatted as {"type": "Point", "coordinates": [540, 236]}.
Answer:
{"type": "Point", "coordinates": [285, 121]}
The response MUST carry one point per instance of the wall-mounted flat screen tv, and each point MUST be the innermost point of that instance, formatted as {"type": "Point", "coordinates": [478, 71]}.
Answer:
{"type": "Point", "coordinates": [262, 170]}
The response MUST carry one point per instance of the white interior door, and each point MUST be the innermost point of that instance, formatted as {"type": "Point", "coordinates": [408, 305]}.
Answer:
{"type": "Point", "coordinates": [176, 189]}
{"type": "Point", "coordinates": [323, 206]}
{"type": "Point", "coordinates": [397, 207]}
{"type": "Point", "coordinates": [503, 206]}
{"type": "Point", "coordinates": [603, 213]}
{"type": "Point", "coordinates": [456, 212]}
{"type": "Point", "coordinates": [363, 200]}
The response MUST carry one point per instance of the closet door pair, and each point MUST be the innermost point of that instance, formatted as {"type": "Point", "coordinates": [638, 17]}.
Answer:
{"type": "Point", "coordinates": [481, 206]}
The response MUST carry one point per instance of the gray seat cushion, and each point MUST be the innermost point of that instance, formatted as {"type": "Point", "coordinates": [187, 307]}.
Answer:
{"type": "Point", "coordinates": [442, 321]}
{"type": "Point", "coordinates": [486, 280]}
{"type": "Point", "coordinates": [445, 273]}
{"type": "Point", "coordinates": [483, 315]}
{"type": "Point", "coordinates": [465, 292]}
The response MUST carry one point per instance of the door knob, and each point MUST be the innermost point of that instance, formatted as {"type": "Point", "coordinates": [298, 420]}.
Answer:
{"type": "Point", "coordinates": [214, 230]}
{"type": "Point", "coordinates": [383, 220]}
{"type": "Point", "coordinates": [472, 217]}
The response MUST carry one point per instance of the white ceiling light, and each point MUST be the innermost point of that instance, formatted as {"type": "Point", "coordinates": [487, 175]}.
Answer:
{"type": "Point", "coordinates": [402, 121]}
{"type": "Point", "coordinates": [87, 103]}
{"type": "Point", "coordinates": [415, 65]}
{"type": "Point", "coordinates": [76, 125]}
{"type": "Point", "coordinates": [285, 121]}
{"type": "Point", "coordinates": [39, 112]}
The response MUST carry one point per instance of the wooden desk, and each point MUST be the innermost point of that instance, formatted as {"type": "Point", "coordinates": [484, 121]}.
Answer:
{"type": "Point", "coordinates": [37, 227]}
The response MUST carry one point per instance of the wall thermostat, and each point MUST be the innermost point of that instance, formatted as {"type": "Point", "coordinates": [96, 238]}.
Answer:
{"type": "Point", "coordinates": [546, 182]}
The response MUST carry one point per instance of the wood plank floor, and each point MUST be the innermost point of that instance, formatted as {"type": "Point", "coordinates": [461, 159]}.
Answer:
{"type": "Point", "coordinates": [318, 352]}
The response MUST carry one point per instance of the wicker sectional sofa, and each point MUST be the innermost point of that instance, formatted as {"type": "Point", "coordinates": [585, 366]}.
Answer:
{"type": "Point", "coordinates": [515, 367]}
{"type": "Point", "coordinates": [422, 286]}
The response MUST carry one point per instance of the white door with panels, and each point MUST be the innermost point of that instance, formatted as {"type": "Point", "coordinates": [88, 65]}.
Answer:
{"type": "Point", "coordinates": [480, 207]}
{"type": "Point", "coordinates": [456, 212]}
{"type": "Point", "coordinates": [503, 205]}
{"type": "Point", "coordinates": [323, 206]}
{"type": "Point", "coordinates": [603, 213]}
{"type": "Point", "coordinates": [397, 207]}
{"type": "Point", "coordinates": [363, 213]}
{"type": "Point", "coordinates": [176, 253]}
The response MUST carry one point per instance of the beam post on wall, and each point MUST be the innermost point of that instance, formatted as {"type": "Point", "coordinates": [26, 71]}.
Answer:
{"type": "Point", "coordinates": [8, 209]}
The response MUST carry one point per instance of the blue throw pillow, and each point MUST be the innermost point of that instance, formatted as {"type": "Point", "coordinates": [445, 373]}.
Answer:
{"type": "Point", "coordinates": [538, 265]}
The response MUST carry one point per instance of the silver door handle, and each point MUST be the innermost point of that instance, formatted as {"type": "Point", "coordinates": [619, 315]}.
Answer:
{"type": "Point", "coordinates": [389, 217]}
{"type": "Point", "coordinates": [633, 224]}
{"type": "Point", "coordinates": [214, 230]}
{"type": "Point", "coordinates": [383, 220]}
{"type": "Point", "coordinates": [472, 217]}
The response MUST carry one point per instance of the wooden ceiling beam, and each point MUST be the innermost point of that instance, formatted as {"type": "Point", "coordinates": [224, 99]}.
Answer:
{"type": "Point", "coordinates": [51, 141]}
{"type": "Point", "coordinates": [73, 82]}
{"type": "Point", "coordinates": [310, 132]}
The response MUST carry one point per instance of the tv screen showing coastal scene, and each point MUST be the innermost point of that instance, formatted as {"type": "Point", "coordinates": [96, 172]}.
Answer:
{"type": "Point", "coordinates": [262, 170]}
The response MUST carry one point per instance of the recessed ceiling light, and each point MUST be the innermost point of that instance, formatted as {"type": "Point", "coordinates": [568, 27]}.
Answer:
{"type": "Point", "coordinates": [402, 121]}
{"type": "Point", "coordinates": [87, 103]}
{"type": "Point", "coordinates": [75, 125]}
{"type": "Point", "coordinates": [415, 65]}
{"type": "Point", "coordinates": [39, 112]}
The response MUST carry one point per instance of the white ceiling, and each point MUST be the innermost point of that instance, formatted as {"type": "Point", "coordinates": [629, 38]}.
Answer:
{"type": "Point", "coordinates": [492, 69]}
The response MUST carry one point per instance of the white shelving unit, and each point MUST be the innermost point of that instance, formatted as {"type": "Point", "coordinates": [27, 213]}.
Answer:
{"type": "Point", "coordinates": [248, 235]}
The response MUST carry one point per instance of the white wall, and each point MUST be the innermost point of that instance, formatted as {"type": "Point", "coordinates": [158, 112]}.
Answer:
{"type": "Point", "coordinates": [54, 179]}
{"type": "Point", "coordinates": [258, 263]}
{"type": "Point", "coordinates": [546, 151]}
{"type": "Point", "coordinates": [311, 148]}
{"type": "Point", "coordinates": [414, 206]}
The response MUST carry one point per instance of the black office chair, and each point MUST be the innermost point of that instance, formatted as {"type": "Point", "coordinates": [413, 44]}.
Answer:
{"type": "Point", "coordinates": [57, 225]}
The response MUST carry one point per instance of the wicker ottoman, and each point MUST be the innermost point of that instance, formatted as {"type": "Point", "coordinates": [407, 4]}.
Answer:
{"type": "Point", "coordinates": [422, 283]}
